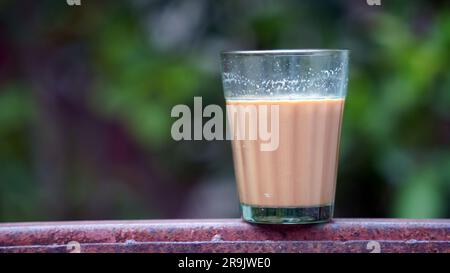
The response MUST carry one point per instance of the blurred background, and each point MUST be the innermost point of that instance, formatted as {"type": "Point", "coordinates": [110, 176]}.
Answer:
{"type": "Point", "coordinates": [86, 93]}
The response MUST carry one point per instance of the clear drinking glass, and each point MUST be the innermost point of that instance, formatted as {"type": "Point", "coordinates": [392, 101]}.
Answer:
{"type": "Point", "coordinates": [284, 111]}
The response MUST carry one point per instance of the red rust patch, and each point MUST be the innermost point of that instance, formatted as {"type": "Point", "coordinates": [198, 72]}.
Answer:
{"type": "Point", "coordinates": [231, 235]}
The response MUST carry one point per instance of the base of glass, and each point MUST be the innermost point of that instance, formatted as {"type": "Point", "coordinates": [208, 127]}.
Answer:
{"type": "Point", "coordinates": [287, 215]}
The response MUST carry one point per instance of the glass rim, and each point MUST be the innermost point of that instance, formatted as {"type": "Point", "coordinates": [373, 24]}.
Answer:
{"type": "Point", "coordinates": [284, 52]}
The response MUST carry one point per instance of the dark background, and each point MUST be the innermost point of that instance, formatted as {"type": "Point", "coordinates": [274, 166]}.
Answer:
{"type": "Point", "coordinates": [86, 93]}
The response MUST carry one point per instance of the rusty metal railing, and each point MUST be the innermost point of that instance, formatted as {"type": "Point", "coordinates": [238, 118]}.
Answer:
{"type": "Point", "coordinates": [227, 235]}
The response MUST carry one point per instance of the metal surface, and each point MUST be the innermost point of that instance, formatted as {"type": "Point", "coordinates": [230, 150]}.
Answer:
{"type": "Point", "coordinates": [227, 235]}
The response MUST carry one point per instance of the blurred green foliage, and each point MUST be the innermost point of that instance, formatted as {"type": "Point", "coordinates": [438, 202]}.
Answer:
{"type": "Point", "coordinates": [143, 58]}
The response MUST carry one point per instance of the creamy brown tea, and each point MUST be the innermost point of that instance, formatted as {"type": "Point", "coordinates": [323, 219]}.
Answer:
{"type": "Point", "coordinates": [301, 172]}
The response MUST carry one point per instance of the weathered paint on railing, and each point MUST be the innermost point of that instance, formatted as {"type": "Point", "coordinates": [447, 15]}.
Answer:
{"type": "Point", "coordinates": [227, 235]}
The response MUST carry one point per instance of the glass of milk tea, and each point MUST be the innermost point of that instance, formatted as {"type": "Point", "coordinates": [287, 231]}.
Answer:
{"type": "Point", "coordinates": [284, 114]}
